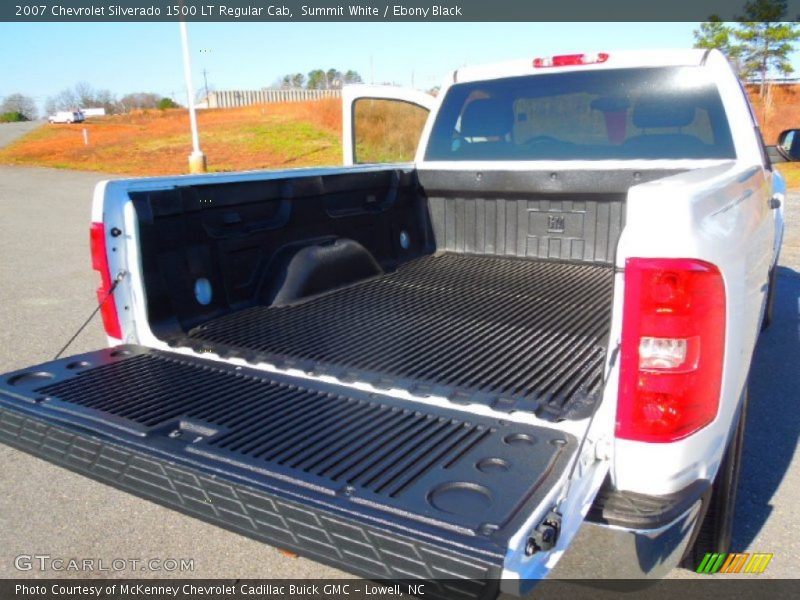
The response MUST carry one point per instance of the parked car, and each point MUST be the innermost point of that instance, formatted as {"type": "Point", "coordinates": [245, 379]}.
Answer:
{"type": "Point", "coordinates": [443, 368]}
{"type": "Point", "coordinates": [67, 116]}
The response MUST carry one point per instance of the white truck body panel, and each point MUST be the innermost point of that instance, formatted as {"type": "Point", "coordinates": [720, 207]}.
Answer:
{"type": "Point", "coordinates": [699, 214]}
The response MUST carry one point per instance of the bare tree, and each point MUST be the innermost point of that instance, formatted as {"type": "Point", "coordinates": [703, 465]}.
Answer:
{"type": "Point", "coordinates": [139, 101]}
{"type": "Point", "coordinates": [50, 106]}
{"type": "Point", "coordinates": [83, 95]}
{"type": "Point", "coordinates": [20, 103]}
{"type": "Point", "coordinates": [64, 100]}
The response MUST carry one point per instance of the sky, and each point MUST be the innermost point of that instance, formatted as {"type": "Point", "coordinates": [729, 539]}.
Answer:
{"type": "Point", "coordinates": [46, 58]}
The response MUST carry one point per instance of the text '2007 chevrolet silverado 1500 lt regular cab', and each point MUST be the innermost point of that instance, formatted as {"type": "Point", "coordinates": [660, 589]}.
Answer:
{"type": "Point", "coordinates": [442, 369]}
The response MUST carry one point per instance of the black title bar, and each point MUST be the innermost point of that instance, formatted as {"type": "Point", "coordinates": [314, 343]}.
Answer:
{"type": "Point", "coordinates": [374, 10]}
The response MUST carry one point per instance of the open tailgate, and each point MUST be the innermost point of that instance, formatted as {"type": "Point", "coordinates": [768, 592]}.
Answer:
{"type": "Point", "coordinates": [375, 485]}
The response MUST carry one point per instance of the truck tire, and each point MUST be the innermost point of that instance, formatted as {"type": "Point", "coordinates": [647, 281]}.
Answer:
{"type": "Point", "coordinates": [769, 309]}
{"type": "Point", "coordinates": [716, 530]}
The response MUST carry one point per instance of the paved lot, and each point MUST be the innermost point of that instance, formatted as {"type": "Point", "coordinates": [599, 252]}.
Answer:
{"type": "Point", "coordinates": [11, 131]}
{"type": "Point", "coordinates": [46, 291]}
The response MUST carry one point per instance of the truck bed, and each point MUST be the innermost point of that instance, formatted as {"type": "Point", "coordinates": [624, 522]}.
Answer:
{"type": "Point", "coordinates": [516, 334]}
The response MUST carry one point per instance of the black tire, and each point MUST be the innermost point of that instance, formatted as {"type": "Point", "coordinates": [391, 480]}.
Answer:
{"type": "Point", "coordinates": [770, 307]}
{"type": "Point", "coordinates": [716, 530]}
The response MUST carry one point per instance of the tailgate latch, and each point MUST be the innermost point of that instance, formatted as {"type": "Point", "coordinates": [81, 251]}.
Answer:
{"type": "Point", "coordinates": [545, 536]}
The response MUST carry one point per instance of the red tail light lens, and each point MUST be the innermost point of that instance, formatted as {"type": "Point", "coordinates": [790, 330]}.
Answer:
{"type": "Point", "coordinates": [673, 343]}
{"type": "Point", "coordinates": [569, 60]}
{"type": "Point", "coordinates": [97, 243]}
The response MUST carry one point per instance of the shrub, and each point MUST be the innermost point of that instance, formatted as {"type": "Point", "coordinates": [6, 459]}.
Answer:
{"type": "Point", "coordinates": [12, 117]}
{"type": "Point", "coordinates": [166, 103]}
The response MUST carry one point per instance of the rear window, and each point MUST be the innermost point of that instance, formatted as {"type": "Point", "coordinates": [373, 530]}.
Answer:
{"type": "Point", "coordinates": [651, 113]}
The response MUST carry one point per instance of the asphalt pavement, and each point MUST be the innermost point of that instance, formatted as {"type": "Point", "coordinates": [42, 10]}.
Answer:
{"type": "Point", "coordinates": [47, 290]}
{"type": "Point", "coordinates": [11, 131]}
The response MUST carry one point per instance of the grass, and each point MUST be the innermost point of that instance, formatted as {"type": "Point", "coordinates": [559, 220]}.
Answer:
{"type": "Point", "coordinates": [791, 171]}
{"type": "Point", "coordinates": [159, 142]}
{"type": "Point", "coordinates": [387, 131]}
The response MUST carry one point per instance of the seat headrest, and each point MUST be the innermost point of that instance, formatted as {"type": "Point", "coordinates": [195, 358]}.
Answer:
{"type": "Point", "coordinates": [652, 112]}
{"type": "Point", "coordinates": [487, 117]}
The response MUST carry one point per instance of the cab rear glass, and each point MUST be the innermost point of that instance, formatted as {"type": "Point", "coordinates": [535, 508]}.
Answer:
{"type": "Point", "coordinates": [644, 113]}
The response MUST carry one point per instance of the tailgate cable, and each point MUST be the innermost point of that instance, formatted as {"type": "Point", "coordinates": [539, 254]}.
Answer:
{"type": "Point", "coordinates": [117, 280]}
{"type": "Point", "coordinates": [545, 535]}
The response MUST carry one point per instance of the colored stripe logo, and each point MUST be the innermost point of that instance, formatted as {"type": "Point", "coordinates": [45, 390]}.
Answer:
{"type": "Point", "coordinates": [734, 562]}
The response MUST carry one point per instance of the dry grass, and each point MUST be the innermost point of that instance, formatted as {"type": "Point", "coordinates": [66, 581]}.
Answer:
{"type": "Point", "coordinates": [387, 131]}
{"type": "Point", "coordinates": [158, 142]}
{"type": "Point", "coordinates": [791, 171]}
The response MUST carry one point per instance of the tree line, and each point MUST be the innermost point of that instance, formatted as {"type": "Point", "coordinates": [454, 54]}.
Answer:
{"type": "Point", "coordinates": [758, 44]}
{"type": "Point", "coordinates": [19, 107]}
{"type": "Point", "coordinates": [319, 79]}
{"type": "Point", "coordinates": [83, 95]}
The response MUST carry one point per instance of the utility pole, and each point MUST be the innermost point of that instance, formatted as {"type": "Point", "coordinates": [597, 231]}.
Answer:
{"type": "Point", "coordinates": [205, 80]}
{"type": "Point", "coordinates": [197, 160]}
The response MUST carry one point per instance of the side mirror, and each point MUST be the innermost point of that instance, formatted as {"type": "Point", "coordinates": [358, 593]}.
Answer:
{"type": "Point", "coordinates": [788, 145]}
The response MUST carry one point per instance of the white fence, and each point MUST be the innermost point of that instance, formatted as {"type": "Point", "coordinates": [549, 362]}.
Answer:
{"type": "Point", "coordinates": [233, 98]}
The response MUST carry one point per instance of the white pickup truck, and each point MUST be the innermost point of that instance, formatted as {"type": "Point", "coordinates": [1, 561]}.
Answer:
{"type": "Point", "coordinates": [443, 368]}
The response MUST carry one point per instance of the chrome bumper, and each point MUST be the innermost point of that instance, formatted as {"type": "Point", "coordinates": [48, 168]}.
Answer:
{"type": "Point", "coordinates": [602, 551]}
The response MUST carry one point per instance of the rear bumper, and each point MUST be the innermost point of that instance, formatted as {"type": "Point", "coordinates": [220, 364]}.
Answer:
{"type": "Point", "coordinates": [603, 550]}
{"type": "Point", "coordinates": [599, 550]}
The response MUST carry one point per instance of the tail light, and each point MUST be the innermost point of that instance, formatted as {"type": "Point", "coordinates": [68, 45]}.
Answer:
{"type": "Point", "coordinates": [570, 60]}
{"type": "Point", "coordinates": [108, 310]}
{"type": "Point", "coordinates": [673, 342]}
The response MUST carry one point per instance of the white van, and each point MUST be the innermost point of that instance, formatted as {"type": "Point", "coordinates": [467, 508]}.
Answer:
{"type": "Point", "coordinates": [67, 116]}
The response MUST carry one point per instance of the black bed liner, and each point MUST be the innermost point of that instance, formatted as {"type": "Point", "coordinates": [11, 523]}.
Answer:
{"type": "Point", "coordinates": [377, 485]}
{"type": "Point", "coordinates": [516, 334]}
